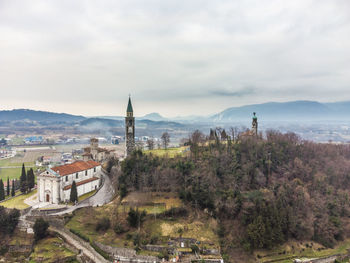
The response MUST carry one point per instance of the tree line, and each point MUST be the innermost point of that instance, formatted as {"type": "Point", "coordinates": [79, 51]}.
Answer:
{"type": "Point", "coordinates": [26, 183]}
{"type": "Point", "coordinates": [263, 191]}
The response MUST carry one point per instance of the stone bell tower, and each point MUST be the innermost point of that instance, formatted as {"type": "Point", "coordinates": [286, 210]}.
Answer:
{"type": "Point", "coordinates": [129, 129]}
{"type": "Point", "coordinates": [255, 124]}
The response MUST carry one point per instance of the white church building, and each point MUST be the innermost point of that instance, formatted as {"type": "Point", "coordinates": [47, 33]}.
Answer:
{"type": "Point", "coordinates": [54, 184]}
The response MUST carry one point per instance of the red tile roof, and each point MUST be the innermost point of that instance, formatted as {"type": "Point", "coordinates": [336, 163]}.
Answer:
{"type": "Point", "coordinates": [81, 182]}
{"type": "Point", "coordinates": [75, 167]}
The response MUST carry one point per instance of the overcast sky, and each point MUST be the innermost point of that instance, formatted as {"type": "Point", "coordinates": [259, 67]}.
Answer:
{"type": "Point", "coordinates": [179, 57]}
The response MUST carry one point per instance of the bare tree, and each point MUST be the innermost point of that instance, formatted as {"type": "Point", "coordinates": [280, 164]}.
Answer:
{"type": "Point", "coordinates": [150, 144]}
{"type": "Point", "coordinates": [233, 132]}
{"type": "Point", "coordinates": [165, 139]}
{"type": "Point", "coordinates": [197, 137]}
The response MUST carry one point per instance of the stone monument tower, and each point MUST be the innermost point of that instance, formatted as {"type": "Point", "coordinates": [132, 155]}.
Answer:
{"type": "Point", "coordinates": [255, 124]}
{"type": "Point", "coordinates": [129, 129]}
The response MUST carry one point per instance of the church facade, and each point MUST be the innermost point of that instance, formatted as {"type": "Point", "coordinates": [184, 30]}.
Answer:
{"type": "Point", "coordinates": [129, 129]}
{"type": "Point", "coordinates": [54, 184]}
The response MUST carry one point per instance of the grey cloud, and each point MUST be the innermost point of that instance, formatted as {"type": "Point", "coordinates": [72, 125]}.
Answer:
{"type": "Point", "coordinates": [177, 52]}
{"type": "Point", "coordinates": [233, 93]}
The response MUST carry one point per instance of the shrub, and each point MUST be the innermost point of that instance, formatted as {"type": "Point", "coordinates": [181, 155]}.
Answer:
{"type": "Point", "coordinates": [8, 220]}
{"type": "Point", "coordinates": [136, 239]}
{"type": "Point", "coordinates": [135, 217]}
{"type": "Point", "coordinates": [195, 248]}
{"type": "Point", "coordinates": [119, 229]}
{"type": "Point", "coordinates": [100, 251]}
{"type": "Point", "coordinates": [83, 237]}
{"type": "Point", "coordinates": [175, 212]}
{"type": "Point", "coordinates": [40, 228]}
{"type": "Point", "coordinates": [154, 240]}
{"type": "Point", "coordinates": [103, 224]}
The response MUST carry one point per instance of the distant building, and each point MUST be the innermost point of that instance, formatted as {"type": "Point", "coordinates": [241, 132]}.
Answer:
{"type": "Point", "coordinates": [33, 139]}
{"type": "Point", "coordinates": [116, 139]}
{"type": "Point", "coordinates": [96, 153]}
{"type": "Point", "coordinates": [254, 130]}
{"type": "Point", "coordinates": [54, 184]}
{"type": "Point", "coordinates": [255, 124]}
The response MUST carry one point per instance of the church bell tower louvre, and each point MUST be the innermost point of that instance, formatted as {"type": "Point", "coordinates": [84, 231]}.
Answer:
{"type": "Point", "coordinates": [129, 129]}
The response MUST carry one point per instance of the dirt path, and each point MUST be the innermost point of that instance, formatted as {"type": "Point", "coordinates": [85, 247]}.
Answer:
{"type": "Point", "coordinates": [80, 244]}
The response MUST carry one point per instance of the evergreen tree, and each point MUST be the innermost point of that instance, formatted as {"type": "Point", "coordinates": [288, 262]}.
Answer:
{"type": "Point", "coordinates": [73, 193]}
{"type": "Point", "coordinates": [30, 179]}
{"type": "Point", "coordinates": [23, 180]}
{"type": "Point", "coordinates": [8, 186]}
{"type": "Point", "coordinates": [40, 228]}
{"type": "Point", "coordinates": [2, 190]}
{"type": "Point", "coordinates": [13, 189]}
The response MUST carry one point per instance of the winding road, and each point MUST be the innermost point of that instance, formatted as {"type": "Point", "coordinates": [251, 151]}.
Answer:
{"type": "Point", "coordinates": [103, 196]}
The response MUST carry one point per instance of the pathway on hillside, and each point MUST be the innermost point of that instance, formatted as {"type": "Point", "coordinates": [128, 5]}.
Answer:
{"type": "Point", "coordinates": [80, 244]}
{"type": "Point", "coordinates": [72, 239]}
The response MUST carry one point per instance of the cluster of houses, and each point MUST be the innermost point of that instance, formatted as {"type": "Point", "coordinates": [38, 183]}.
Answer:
{"type": "Point", "coordinates": [55, 183]}
{"type": "Point", "coordinates": [4, 154]}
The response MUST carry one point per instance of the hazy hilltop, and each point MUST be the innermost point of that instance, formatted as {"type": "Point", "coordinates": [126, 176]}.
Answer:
{"type": "Point", "coordinates": [154, 116]}
{"type": "Point", "coordinates": [38, 116]}
{"type": "Point", "coordinates": [294, 110]}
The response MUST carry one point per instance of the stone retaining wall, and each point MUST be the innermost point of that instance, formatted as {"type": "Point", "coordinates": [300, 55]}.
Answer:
{"type": "Point", "coordinates": [126, 254]}
{"type": "Point", "coordinates": [156, 248]}
{"type": "Point", "coordinates": [329, 259]}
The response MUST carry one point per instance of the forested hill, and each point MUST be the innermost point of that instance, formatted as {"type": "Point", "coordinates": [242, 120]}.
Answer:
{"type": "Point", "coordinates": [263, 191]}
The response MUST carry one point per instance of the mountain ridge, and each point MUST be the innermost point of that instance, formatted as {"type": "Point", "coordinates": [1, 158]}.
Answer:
{"type": "Point", "coordinates": [270, 111]}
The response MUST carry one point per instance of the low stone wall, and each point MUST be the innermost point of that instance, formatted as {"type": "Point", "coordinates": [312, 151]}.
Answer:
{"type": "Point", "coordinates": [329, 259]}
{"type": "Point", "coordinates": [20, 249]}
{"type": "Point", "coordinates": [211, 252]}
{"type": "Point", "coordinates": [123, 252]}
{"type": "Point", "coordinates": [126, 254]}
{"type": "Point", "coordinates": [46, 212]}
{"type": "Point", "coordinates": [156, 248]}
{"type": "Point", "coordinates": [218, 260]}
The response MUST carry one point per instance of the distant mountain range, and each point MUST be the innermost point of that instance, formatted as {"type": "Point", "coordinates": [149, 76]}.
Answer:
{"type": "Point", "coordinates": [287, 111]}
{"type": "Point", "coordinates": [272, 111]}
{"type": "Point", "coordinates": [42, 117]}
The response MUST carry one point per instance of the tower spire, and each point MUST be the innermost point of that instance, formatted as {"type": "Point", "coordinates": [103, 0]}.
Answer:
{"type": "Point", "coordinates": [129, 109]}
{"type": "Point", "coordinates": [255, 124]}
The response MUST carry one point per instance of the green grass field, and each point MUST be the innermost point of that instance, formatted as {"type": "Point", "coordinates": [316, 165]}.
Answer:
{"type": "Point", "coordinates": [85, 196]}
{"type": "Point", "coordinates": [51, 249]}
{"type": "Point", "coordinates": [15, 172]}
{"type": "Point", "coordinates": [18, 201]}
{"type": "Point", "coordinates": [170, 152]}
{"type": "Point", "coordinates": [85, 220]}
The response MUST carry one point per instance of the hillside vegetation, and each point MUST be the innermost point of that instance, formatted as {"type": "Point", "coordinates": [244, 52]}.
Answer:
{"type": "Point", "coordinates": [263, 192]}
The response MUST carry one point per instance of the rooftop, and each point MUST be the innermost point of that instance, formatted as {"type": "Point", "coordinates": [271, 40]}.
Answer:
{"type": "Point", "coordinates": [75, 167]}
{"type": "Point", "coordinates": [129, 109]}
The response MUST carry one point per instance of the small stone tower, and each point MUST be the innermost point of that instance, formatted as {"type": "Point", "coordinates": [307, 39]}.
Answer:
{"type": "Point", "coordinates": [94, 143]}
{"type": "Point", "coordinates": [129, 129]}
{"type": "Point", "coordinates": [255, 124]}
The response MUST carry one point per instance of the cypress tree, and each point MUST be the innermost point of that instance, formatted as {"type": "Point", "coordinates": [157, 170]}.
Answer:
{"type": "Point", "coordinates": [23, 180]}
{"type": "Point", "coordinates": [73, 193]}
{"type": "Point", "coordinates": [13, 190]}
{"type": "Point", "coordinates": [8, 186]}
{"type": "Point", "coordinates": [2, 190]}
{"type": "Point", "coordinates": [30, 179]}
